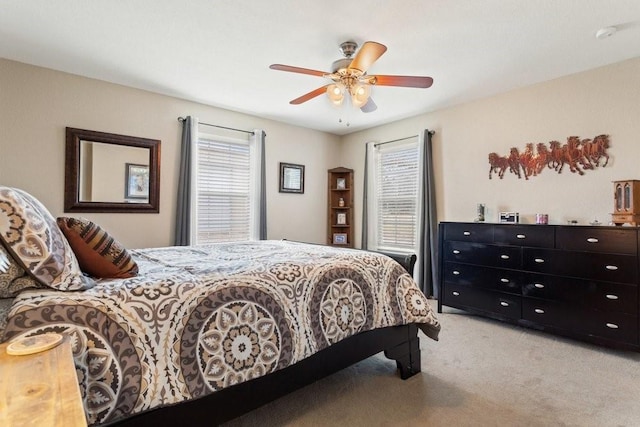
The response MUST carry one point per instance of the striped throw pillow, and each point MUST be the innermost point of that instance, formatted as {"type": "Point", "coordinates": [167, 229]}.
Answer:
{"type": "Point", "coordinates": [99, 254]}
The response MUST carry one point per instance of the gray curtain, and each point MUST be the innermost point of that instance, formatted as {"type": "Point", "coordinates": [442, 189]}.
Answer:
{"type": "Point", "coordinates": [260, 136]}
{"type": "Point", "coordinates": [364, 240]}
{"type": "Point", "coordinates": [182, 235]}
{"type": "Point", "coordinates": [428, 265]}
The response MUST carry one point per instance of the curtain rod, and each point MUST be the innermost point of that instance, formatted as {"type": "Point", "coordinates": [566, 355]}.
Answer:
{"type": "Point", "coordinates": [400, 139]}
{"type": "Point", "coordinates": [250, 132]}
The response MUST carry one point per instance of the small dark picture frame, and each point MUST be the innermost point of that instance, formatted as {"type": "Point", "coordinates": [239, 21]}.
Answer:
{"type": "Point", "coordinates": [136, 181]}
{"type": "Point", "coordinates": [291, 178]}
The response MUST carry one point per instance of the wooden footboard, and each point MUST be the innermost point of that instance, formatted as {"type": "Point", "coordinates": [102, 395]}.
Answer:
{"type": "Point", "coordinates": [400, 343]}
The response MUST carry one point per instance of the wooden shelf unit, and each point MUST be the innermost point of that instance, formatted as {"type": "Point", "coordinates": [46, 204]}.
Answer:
{"type": "Point", "coordinates": [337, 231]}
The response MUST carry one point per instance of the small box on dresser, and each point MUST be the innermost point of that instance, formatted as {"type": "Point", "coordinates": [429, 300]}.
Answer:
{"type": "Point", "coordinates": [578, 281]}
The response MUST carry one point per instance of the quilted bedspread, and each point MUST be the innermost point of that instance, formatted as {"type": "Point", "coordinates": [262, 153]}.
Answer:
{"type": "Point", "coordinates": [198, 319]}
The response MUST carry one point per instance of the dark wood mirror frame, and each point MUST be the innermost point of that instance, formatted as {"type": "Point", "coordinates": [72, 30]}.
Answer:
{"type": "Point", "coordinates": [72, 202]}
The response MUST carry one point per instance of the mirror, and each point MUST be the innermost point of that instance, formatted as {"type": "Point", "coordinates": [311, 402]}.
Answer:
{"type": "Point", "coordinates": [106, 172]}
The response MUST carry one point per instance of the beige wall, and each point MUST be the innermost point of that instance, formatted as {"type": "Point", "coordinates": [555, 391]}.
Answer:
{"type": "Point", "coordinates": [36, 105]}
{"type": "Point", "coordinates": [604, 100]}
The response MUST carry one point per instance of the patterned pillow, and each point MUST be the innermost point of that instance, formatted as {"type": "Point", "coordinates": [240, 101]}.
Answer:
{"type": "Point", "coordinates": [99, 254]}
{"type": "Point", "coordinates": [13, 278]}
{"type": "Point", "coordinates": [35, 242]}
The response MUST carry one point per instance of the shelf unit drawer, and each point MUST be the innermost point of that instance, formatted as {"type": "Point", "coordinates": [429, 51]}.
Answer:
{"type": "Point", "coordinates": [610, 325]}
{"type": "Point", "coordinates": [503, 305]}
{"type": "Point", "coordinates": [598, 239]}
{"type": "Point", "coordinates": [483, 277]}
{"type": "Point", "coordinates": [587, 294]}
{"type": "Point", "coordinates": [538, 236]}
{"type": "Point", "coordinates": [467, 232]}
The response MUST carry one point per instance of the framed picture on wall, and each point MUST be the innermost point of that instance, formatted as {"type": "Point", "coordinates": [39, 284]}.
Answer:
{"type": "Point", "coordinates": [136, 181]}
{"type": "Point", "coordinates": [339, 238]}
{"type": "Point", "coordinates": [291, 178]}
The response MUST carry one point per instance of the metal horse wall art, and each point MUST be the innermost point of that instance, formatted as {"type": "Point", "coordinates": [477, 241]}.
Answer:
{"type": "Point", "coordinates": [579, 155]}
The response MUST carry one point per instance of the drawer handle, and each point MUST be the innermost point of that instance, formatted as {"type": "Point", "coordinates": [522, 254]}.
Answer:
{"type": "Point", "coordinates": [467, 233]}
{"type": "Point", "coordinates": [456, 272]}
{"type": "Point", "coordinates": [504, 304]}
{"type": "Point", "coordinates": [539, 311]}
{"type": "Point", "coordinates": [520, 236]}
{"type": "Point", "coordinates": [612, 326]}
{"type": "Point", "coordinates": [503, 280]}
{"type": "Point", "coordinates": [611, 267]}
{"type": "Point", "coordinates": [592, 240]}
{"type": "Point", "coordinates": [539, 260]}
{"type": "Point", "coordinates": [611, 296]}
{"type": "Point", "coordinates": [538, 285]}
{"type": "Point", "coordinates": [455, 293]}
{"type": "Point", "coordinates": [504, 256]}
{"type": "Point", "coordinates": [455, 251]}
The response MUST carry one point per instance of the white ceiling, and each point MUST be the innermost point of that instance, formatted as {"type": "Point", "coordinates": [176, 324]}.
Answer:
{"type": "Point", "coordinates": [218, 52]}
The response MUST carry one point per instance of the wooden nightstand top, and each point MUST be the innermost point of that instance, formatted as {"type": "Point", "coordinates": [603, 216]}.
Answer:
{"type": "Point", "coordinates": [40, 389]}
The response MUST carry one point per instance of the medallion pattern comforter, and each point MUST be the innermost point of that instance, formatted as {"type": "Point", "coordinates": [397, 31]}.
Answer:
{"type": "Point", "coordinates": [198, 319]}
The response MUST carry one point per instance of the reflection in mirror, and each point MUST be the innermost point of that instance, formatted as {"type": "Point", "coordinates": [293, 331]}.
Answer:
{"type": "Point", "coordinates": [104, 169]}
{"type": "Point", "coordinates": [107, 172]}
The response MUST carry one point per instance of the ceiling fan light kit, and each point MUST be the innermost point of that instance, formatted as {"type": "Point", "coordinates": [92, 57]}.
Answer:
{"type": "Point", "coordinates": [349, 77]}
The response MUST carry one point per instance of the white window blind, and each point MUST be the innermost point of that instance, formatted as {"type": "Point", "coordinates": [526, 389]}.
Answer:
{"type": "Point", "coordinates": [223, 191]}
{"type": "Point", "coordinates": [396, 198]}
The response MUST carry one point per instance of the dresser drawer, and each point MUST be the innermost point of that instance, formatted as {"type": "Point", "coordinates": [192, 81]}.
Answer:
{"type": "Point", "coordinates": [538, 236]}
{"type": "Point", "coordinates": [483, 277]}
{"type": "Point", "coordinates": [588, 265]}
{"type": "Point", "coordinates": [504, 305]}
{"type": "Point", "coordinates": [483, 254]}
{"type": "Point", "coordinates": [586, 294]}
{"type": "Point", "coordinates": [598, 239]}
{"type": "Point", "coordinates": [467, 232]}
{"type": "Point", "coordinates": [610, 325]}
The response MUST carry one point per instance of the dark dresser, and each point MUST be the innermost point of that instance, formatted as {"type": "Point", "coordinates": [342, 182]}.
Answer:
{"type": "Point", "coordinates": [577, 281]}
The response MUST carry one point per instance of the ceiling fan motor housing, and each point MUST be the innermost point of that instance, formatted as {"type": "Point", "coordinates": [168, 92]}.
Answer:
{"type": "Point", "coordinates": [348, 48]}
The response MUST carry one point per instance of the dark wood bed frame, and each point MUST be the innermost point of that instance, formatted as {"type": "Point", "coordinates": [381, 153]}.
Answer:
{"type": "Point", "coordinates": [399, 343]}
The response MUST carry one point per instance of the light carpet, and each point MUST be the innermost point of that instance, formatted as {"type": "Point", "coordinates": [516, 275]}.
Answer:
{"type": "Point", "coordinates": [481, 373]}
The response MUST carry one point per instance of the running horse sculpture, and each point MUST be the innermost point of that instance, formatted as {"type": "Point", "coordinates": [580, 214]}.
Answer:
{"type": "Point", "coordinates": [579, 155]}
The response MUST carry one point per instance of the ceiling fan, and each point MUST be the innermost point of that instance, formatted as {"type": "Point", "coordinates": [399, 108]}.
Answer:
{"type": "Point", "coordinates": [350, 77]}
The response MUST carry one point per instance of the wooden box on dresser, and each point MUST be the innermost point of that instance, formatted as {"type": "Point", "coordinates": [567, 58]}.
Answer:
{"type": "Point", "coordinates": [577, 281]}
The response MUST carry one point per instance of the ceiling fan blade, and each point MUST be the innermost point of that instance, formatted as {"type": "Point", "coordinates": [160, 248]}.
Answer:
{"type": "Point", "coordinates": [369, 106]}
{"type": "Point", "coordinates": [291, 69]}
{"type": "Point", "coordinates": [405, 81]}
{"type": "Point", "coordinates": [310, 95]}
{"type": "Point", "coordinates": [367, 55]}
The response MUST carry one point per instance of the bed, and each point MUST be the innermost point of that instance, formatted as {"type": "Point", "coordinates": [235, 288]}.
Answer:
{"type": "Point", "coordinates": [203, 334]}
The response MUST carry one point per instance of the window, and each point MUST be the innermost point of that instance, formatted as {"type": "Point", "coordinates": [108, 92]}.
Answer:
{"type": "Point", "coordinates": [226, 186]}
{"type": "Point", "coordinates": [395, 196]}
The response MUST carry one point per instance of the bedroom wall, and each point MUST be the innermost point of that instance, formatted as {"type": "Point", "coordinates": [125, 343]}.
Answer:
{"type": "Point", "coordinates": [604, 100]}
{"type": "Point", "coordinates": [37, 104]}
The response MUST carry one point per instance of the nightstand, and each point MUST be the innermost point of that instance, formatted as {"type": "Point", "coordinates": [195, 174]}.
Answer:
{"type": "Point", "coordinates": [40, 389]}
